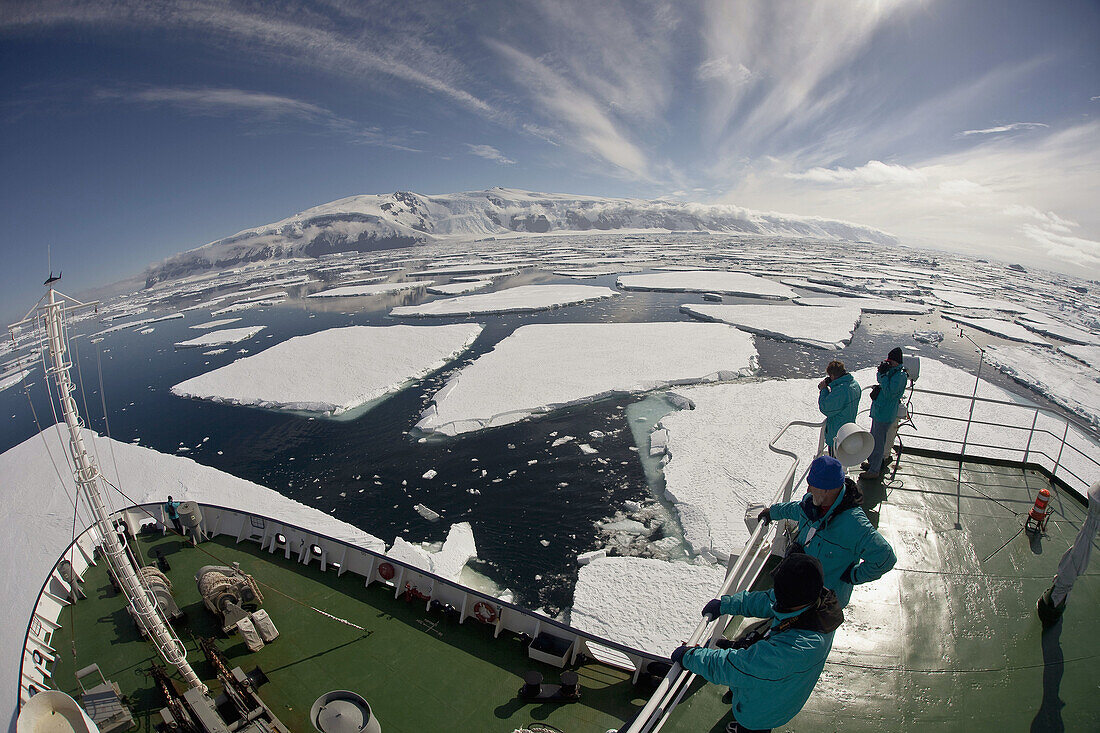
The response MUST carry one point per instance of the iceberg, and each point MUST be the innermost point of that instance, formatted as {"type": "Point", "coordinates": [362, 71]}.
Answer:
{"type": "Point", "coordinates": [511, 300]}
{"type": "Point", "coordinates": [707, 281]}
{"type": "Point", "coordinates": [643, 603]}
{"type": "Point", "coordinates": [347, 367]}
{"type": "Point", "coordinates": [224, 337]}
{"type": "Point", "coordinates": [821, 326]}
{"type": "Point", "coordinates": [542, 367]}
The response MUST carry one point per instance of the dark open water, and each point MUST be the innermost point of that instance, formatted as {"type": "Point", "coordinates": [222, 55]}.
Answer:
{"type": "Point", "coordinates": [355, 469]}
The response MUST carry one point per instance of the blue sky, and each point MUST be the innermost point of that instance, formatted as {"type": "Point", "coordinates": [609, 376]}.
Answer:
{"type": "Point", "coordinates": [134, 130]}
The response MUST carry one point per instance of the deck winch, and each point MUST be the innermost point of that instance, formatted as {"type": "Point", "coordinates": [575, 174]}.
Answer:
{"type": "Point", "coordinates": [226, 591]}
{"type": "Point", "coordinates": [1039, 514]}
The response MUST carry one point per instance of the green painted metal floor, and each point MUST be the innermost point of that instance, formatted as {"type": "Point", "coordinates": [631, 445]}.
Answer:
{"type": "Point", "coordinates": [418, 672]}
{"type": "Point", "coordinates": [949, 638]}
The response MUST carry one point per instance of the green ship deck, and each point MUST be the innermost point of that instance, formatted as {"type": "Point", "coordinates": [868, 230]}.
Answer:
{"type": "Point", "coordinates": [949, 638]}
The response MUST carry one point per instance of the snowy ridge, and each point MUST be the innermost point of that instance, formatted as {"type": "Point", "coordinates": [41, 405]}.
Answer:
{"type": "Point", "coordinates": [385, 221]}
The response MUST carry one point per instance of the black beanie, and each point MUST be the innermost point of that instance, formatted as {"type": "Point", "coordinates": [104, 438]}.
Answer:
{"type": "Point", "coordinates": [798, 580]}
{"type": "Point", "coordinates": [895, 354]}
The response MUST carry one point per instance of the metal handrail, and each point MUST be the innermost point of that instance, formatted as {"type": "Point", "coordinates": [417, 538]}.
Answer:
{"type": "Point", "coordinates": [740, 577]}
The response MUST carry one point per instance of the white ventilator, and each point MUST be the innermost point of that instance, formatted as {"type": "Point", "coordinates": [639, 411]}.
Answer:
{"type": "Point", "coordinates": [1076, 559]}
{"type": "Point", "coordinates": [51, 711]}
{"type": "Point", "coordinates": [853, 444]}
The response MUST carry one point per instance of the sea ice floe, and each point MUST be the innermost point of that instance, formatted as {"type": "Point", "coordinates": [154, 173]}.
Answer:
{"type": "Point", "coordinates": [522, 298]}
{"type": "Point", "coordinates": [458, 549]}
{"type": "Point", "coordinates": [38, 513]}
{"type": "Point", "coordinates": [720, 458]}
{"type": "Point", "coordinates": [13, 378]}
{"type": "Point", "coordinates": [223, 337]}
{"type": "Point", "coordinates": [214, 324]}
{"type": "Point", "coordinates": [869, 305]}
{"type": "Point", "coordinates": [928, 337]}
{"type": "Point", "coordinates": [542, 367]}
{"type": "Point", "coordinates": [347, 367]}
{"type": "Point", "coordinates": [1063, 332]}
{"type": "Point", "coordinates": [703, 281]}
{"type": "Point", "coordinates": [456, 288]}
{"type": "Point", "coordinates": [997, 327]}
{"type": "Point", "coordinates": [1089, 355]}
{"type": "Point", "coordinates": [967, 300]}
{"type": "Point", "coordinates": [1059, 378]}
{"type": "Point", "coordinates": [643, 603]}
{"type": "Point", "coordinates": [350, 291]}
{"type": "Point", "coordinates": [819, 326]}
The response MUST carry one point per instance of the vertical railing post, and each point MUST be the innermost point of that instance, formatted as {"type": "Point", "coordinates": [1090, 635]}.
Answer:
{"type": "Point", "coordinates": [1058, 460]}
{"type": "Point", "coordinates": [1030, 435]}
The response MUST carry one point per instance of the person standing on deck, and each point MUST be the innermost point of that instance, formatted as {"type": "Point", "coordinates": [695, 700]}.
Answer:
{"type": "Point", "coordinates": [838, 400]}
{"type": "Point", "coordinates": [171, 511]}
{"type": "Point", "coordinates": [833, 528]}
{"type": "Point", "coordinates": [772, 670]}
{"type": "Point", "coordinates": [1052, 603]}
{"type": "Point", "coordinates": [885, 401]}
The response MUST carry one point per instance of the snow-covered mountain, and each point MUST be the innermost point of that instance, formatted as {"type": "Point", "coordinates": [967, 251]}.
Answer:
{"type": "Point", "coordinates": [402, 219]}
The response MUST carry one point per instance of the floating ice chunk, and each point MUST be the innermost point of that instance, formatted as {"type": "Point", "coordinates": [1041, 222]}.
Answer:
{"type": "Point", "coordinates": [146, 331]}
{"type": "Point", "coordinates": [997, 327]}
{"type": "Point", "coordinates": [714, 281]}
{"type": "Point", "coordinates": [42, 526]}
{"type": "Point", "coordinates": [351, 291]}
{"type": "Point", "coordinates": [561, 441]}
{"type": "Point", "coordinates": [1049, 327]}
{"type": "Point", "coordinates": [214, 352]}
{"type": "Point", "coordinates": [587, 449]}
{"type": "Point", "coordinates": [580, 362]}
{"type": "Point", "coordinates": [597, 434]}
{"type": "Point", "coordinates": [928, 337]}
{"type": "Point", "coordinates": [643, 603]}
{"type": "Point", "coordinates": [523, 298]}
{"type": "Point", "coordinates": [430, 474]}
{"type": "Point", "coordinates": [431, 516]}
{"type": "Point", "coordinates": [347, 367]}
{"type": "Point", "coordinates": [221, 338]}
{"type": "Point", "coordinates": [586, 557]}
{"type": "Point", "coordinates": [456, 288]}
{"type": "Point", "coordinates": [1062, 380]}
{"type": "Point", "coordinates": [819, 326]}
{"type": "Point", "coordinates": [214, 324]}
{"type": "Point", "coordinates": [13, 378]}
{"type": "Point", "coordinates": [630, 526]}
{"type": "Point", "coordinates": [658, 442]}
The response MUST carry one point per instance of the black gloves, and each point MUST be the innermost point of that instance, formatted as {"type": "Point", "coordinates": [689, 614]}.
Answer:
{"type": "Point", "coordinates": [678, 653]}
{"type": "Point", "coordinates": [765, 516]}
{"type": "Point", "coordinates": [713, 609]}
{"type": "Point", "coordinates": [874, 392]}
{"type": "Point", "coordinates": [846, 576]}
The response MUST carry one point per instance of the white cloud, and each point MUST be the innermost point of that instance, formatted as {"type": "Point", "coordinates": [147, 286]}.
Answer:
{"type": "Point", "coordinates": [1005, 128]}
{"type": "Point", "coordinates": [873, 173]}
{"type": "Point", "coordinates": [489, 153]}
{"type": "Point", "coordinates": [590, 124]}
{"type": "Point", "coordinates": [720, 69]}
{"type": "Point", "coordinates": [261, 109]}
{"type": "Point", "coordinates": [1020, 199]}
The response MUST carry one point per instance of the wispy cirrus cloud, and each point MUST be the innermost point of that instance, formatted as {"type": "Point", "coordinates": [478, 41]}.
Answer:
{"type": "Point", "coordinates": [489, 153]}
{"type": "Point", "coordinates": [1014, 127]}
{"type": "Point", "coordinates": [264, 112]}
{"type": "Point", "coordinates": [873, 173]}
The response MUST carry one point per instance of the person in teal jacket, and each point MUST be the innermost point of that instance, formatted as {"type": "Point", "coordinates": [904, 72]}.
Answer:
{"type": "Point", "coordinates": [772, 670]}
{"type": "Point", "coordinates": [838, 400]}
{"type": "Point", "coordinates": [833, 528]}
{"type": "Point", "coordinates": [885, 400]}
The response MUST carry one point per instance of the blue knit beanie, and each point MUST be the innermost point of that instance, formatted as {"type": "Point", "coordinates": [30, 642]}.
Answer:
{"type": "Point", "coordinates": [826, 473]}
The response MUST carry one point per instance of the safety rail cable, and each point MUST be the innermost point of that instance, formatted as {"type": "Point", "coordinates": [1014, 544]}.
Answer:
{"type": "Point", "coordinates": [741, 576]}
{"type": "Point", "coordinates": [1028, 451]}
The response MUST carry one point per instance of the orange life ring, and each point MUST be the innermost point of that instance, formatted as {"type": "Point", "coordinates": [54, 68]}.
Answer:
{"type": "Point", "coordinates": [485, 612]}
{"type": "Point", "coordinates": [386, 571]}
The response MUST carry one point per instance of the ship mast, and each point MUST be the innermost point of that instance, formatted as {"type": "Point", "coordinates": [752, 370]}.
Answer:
{"type": "Point", "coordinates": [88, 478]}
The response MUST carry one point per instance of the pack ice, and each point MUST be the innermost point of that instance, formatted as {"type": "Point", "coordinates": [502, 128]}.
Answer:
{"type": "Point", "coordinates": [814, 325]}
{"type": "Point", "coordinates": [542, 367]}
{"type": "Point", "coordinates": [707, 281]}
{"type": "Point", "coordinates": [523, 298]}
{"type": "Point", "coordinates": [224, 337]}
{"type": "Point", "coordinates": [351, 291]}
{"type": "Point", "coordinates": [346, 367]}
